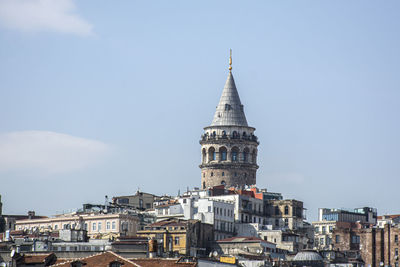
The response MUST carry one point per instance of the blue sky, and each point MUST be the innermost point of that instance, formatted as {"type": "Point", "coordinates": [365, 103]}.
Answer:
{"type": "Point", "coordinates": [103, 97]}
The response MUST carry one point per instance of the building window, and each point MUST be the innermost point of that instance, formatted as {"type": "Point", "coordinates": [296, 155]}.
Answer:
{"type": "Point", "coordinates": [277, 210]}
{"type": "Point", "coordinates": [316, 229]}
{"type": "Point", "coordinates": [337, 239]}
{"type": "Point", "coordinates": [235, 174]}
{"type": "Point", "coordinates": [396, 252]}
{"type": "Point", "coordinates": [223, 173]}
{"type": "Point", "coordinates": [176, 240]}
{"type": "Point", "coordinates": [323, 229]}
{"type": "Point", "coordinates": [321, 241]}
{"type": "Point", "coordinates": [113, 225]}
{"type": "Point", "coordinates": [212, 174]}
{"type": "Point", "coordinates": [396, 238]}
{"type": "Point", "coordinates": [77, 264]}
{"type": "Point", "coordinates": [355, 239]}
{"type": "Point", "coordinates": [115, 264]}
{"type": "Point", "coordinates": [56, 227]}
{"type": "Point", "coordinates": [99, 226]}
{"type": "Point", "coordinates": [108, 225]}
{"type": "Point", "coordinates": [330, 229]}
{"type": "Point", "coordinates": [286, 210]}
{"type": "Point", "coordinates": [286, 222]}
{"type": "Point", "coordinates": [94, 226]}
{"type": "Point", "coordinates": [276, 222]}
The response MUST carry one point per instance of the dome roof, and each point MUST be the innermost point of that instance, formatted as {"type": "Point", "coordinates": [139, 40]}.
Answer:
{"type": "Point", "coordinates": [307, 256]}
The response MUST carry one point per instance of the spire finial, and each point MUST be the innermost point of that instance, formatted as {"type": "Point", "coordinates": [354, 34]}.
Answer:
{"type": "Point", "coordinates": [230, 61]}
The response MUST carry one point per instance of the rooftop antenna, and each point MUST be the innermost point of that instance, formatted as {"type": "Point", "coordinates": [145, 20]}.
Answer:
{"type": "Point", "coordinates": [230, 61]}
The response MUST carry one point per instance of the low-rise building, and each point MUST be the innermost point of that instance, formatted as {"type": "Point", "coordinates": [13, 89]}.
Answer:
{"type": "Point", "coordinates": [180, 237]}
{"type": "Point", "coordinates": [98, 225]}
{"type": "Point", "coordinates": [330, 219]}
{"type": "Point", "coordinates": [140, 200]}
{"type": "Point", "coordinates": [376, 246]}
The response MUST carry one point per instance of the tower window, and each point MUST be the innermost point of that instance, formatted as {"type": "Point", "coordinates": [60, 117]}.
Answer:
{"type": "Point", "coordinates": [235, 174]}
{"type": "Point", "coordinates": [223, 173]}
{"type": "Point", "coordinates": [234, 156]}
{"type": "Point", "coordinates": [212, 174]}
{"type": "Point", "coordinates": [286, 210]}
{"type": "Point", "coordinates": [223, 153]}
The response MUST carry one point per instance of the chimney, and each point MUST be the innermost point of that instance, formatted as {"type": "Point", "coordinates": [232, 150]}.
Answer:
{"type": "Point", "coordinates": [152, 248]}
{"type": "Point", "coordinates": [31, 214]}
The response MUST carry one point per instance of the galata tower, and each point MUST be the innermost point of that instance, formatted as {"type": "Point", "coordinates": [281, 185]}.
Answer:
{"type": "Point", "coordinates": [228, 145]}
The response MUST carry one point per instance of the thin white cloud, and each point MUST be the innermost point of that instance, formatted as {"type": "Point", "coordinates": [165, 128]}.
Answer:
{"type": "Point", "coordinates": [49, 152]}
{"type": "Point", "coordinates": [43, 15]}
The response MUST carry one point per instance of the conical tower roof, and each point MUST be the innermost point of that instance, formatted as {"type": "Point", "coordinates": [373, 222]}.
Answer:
{"type": "Point", "coordinates": [229, 110]}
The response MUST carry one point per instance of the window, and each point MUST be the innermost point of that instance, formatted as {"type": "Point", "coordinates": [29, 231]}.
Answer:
{"type": "Point", "coordinates": [355, 239]}
{"type": "Point", "coordinates": [337, 239]}
{"type": "Point", "coordinates": [141, 203]}
{"type": "Point", "coordinates": [323, 229]}
{"type": "Point", "coordinates": [396, 238]}
{"type": "Point", "coordinates": [94, 226]}
{"type": "Point", "coordinates": [212, 174]}
{"type": "Point", "coordinates": [56, 227]}
{"type": "Point", "coordinates": [286, 210]}
{"type": "Point", "coordinates": [223, 154]}
{"type": "Point", "coordinates": [396, 252]}
{"type": "Point", "coordinates": [321, 241]}
{"type": "Point", "coordinates": [316, 229]}
{"type": "Point", "coordinates": [330, 229]}
{"type": "Point", "coordinates": [223, 173]}
{"type": "Point", "coordinates": [77, 264]}
{"type": "Point", "coordinates": [276, 222]}
{"type": "Point", "coordinates": [108, 225]}
{"type": "Point", "coordinates": [277, 210]}
{"type": "Point", "coordinates": [286, 222]}
{"type": "Point", "coordinates": [244, 156]}
{"type": "Point", "coordinates": [115, 264]}
{"type": "Point", "coordinates": [113, 225]}
{"type": "Point", "coordinates": [99, 226]}
{"type": "Point", "coordinates": [176, 240]}
{"type": "Point", "coordinates": [235, 174]}
{"type": "Point", "coordinates": [209, 208]}
{"type": "Point", "coordinates": [234, 156]}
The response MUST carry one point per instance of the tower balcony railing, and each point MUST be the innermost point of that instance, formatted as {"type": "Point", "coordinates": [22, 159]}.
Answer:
{"type": "Point", "coordinates": [206, 137]}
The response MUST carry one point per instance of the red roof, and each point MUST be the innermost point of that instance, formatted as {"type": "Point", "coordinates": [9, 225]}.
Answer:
{"type": "Point", "coordinates": [99, 260]}
{"type": "Point", "coordinates": [163, 263]}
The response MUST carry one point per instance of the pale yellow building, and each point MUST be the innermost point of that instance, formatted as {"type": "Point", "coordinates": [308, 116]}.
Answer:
{"type": "Point", "coordinates": [98, 225]}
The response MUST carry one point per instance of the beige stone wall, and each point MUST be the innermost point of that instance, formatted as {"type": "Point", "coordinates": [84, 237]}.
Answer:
{"type": "Point", "coordinates": [211, 177]}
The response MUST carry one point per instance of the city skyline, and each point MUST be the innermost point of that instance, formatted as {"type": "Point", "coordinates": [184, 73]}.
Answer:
{"type": "Point", "coordinates": [98, 104]}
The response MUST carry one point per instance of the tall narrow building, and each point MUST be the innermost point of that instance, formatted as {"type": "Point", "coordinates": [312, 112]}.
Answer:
{"type": "Point", "coordinates": [228, 145]}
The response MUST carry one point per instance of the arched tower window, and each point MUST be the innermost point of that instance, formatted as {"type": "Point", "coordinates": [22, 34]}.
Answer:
{"type": "Point", "coordinates": [253, 156]}
{"type": "Point", "coordinates": [235, 135]}
{"type": "Point", "coordinates": [245, 155]}
{"type": "Point", "coordinates": [235, 153]}
{"type": "Point", "coordinates": [204, 154]}
{"type": "Point", "coordinates": [223, 153]}
{"type": "Point", "coordinates": [211, 154]}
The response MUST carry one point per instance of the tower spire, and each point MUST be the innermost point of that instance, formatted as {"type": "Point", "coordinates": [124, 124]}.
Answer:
{"type": "Point", "coordinates": [230, 61]}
